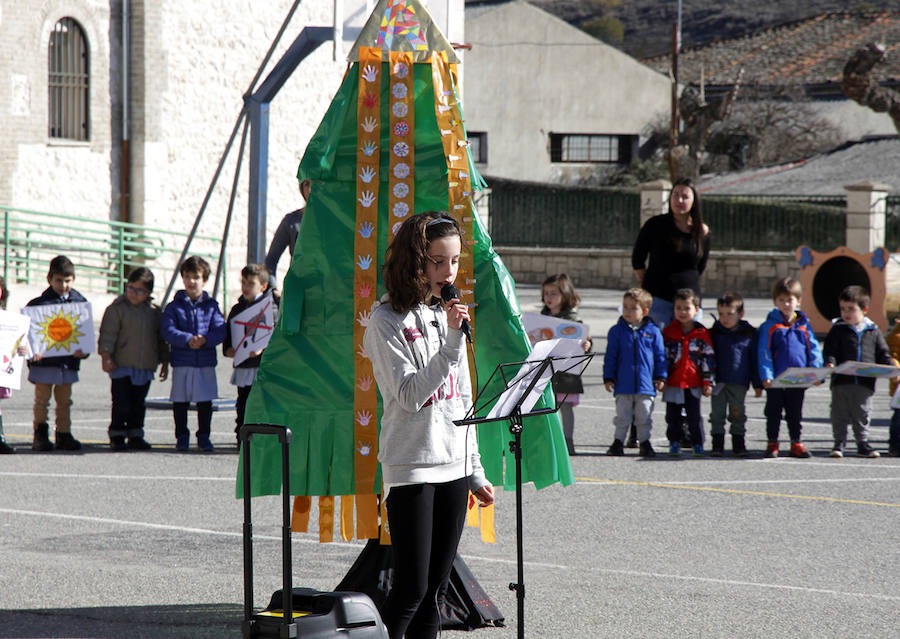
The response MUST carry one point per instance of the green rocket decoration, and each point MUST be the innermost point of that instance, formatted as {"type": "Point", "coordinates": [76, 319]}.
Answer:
{"type": "Point", "coordinates": [391, 144]}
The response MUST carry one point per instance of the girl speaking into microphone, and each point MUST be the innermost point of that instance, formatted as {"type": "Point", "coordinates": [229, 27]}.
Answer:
{"type": "Point", "coordinates": [428, 464]}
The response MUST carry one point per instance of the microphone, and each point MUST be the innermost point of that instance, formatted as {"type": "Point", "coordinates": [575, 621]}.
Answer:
{"type": "Point", "coordinates": [449, 292]}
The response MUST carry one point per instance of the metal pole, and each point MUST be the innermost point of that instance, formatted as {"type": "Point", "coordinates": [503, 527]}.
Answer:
{"type": "Point", "coordinates": [234, 185]}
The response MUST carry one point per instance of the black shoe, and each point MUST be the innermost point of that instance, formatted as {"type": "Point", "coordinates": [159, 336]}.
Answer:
{"type": "Point", "coordinates": [616, 450]}
{"type": "Point", "coordinates": [718, 445]}
{"type": "Point", "coordinates": [42, 441]}
{"type": "Point", "coordinates": [647, 450]}
{"type": "Point", "coordinates": [739, 446]}
{"type": "Point", "coordinates": [6, 449]}
{"type": "Point", "coordinates": [632, 442]}
{"type": "Point", "coordinates": [894, 451]}
{"type": "Point", "coordinates": [117, 444]}
{"type": "Point", "coordinates": [138, 443]}
{"type": "Point", "coordinates": [65, 441]}
{"type": "Point", "coordinates": [863, 449]}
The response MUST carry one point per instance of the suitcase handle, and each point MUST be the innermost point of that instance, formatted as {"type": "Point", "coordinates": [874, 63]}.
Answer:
{"type": "Point", "coordinates": [284, 437]}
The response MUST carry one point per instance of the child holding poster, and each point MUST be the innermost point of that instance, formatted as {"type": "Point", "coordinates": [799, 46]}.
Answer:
{"type": "Point", "coordinates": [254, 289]}
{"type": "Point", "coordinates": [853, 337]}
{"type": "Point", "coordinates": [561, 300]}
{"type": "Point", "coordinates": [6, 393]}
{"type": "Point", "coordinates": [131, 347]}
{"type": "Point", "coordinates": [55, 375]}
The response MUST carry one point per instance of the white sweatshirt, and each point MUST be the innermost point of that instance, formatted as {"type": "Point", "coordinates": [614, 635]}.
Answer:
{"type": "Point", "coordinates": [423, 376]}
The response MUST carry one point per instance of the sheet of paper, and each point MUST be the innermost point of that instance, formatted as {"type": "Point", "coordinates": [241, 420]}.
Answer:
{"type": "Point", "coordinates": [13, 334]}
{"type": "Point", "coordinates": [800, 377]}
{"type": "Point", "coordinates": [60, 329]}
{"type": "Point", "coordinates": [866, 369]}
{"type": "Point", "coordinates": [251, 329]}
{"type": "Point", "coordinates": [564, 348]}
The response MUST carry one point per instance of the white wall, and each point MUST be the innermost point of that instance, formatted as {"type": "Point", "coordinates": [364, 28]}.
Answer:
{"type": "Point", "coordinates": [529, 74]}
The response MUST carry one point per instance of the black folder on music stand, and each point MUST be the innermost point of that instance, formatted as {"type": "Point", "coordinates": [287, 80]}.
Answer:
{"type": "Point", "coordinates": [514, 403]}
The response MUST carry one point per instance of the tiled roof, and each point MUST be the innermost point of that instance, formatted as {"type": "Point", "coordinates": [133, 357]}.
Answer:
{"type": "Point", "coordinates": [872, 159]}
{"type": "Point", "coordinates": [809, 52]}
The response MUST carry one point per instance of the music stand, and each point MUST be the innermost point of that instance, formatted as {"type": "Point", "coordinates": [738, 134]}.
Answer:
{"type": "Point", "coordinates": [514, 403]}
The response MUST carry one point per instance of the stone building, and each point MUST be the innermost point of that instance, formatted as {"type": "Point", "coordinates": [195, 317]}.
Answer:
{"type": "Point", "coordinates": [66, 77]}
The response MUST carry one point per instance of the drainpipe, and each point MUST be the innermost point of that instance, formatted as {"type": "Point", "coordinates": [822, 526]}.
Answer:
{"type": "Point", "coordinates": [125, 186]}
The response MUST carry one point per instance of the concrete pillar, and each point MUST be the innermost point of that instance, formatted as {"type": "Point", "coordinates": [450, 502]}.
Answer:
{"type": "Point", "coordinates": [654, 198]}
{"type": "Point", "coordinates": [866, 216]}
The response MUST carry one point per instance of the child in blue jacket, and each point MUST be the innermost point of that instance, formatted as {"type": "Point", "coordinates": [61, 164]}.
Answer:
{"type": "Point", "coordinates": [634, 367]}
{"type": "Point", "coordinates": [786, 339]}
{"type": "Point", "coordinates": [193, 326]}
{"type": "Point", "coordinates": [734, 342]}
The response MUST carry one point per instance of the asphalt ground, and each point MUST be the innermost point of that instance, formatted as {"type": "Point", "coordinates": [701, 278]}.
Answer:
{"type": "Point", "coordinates": [113, 545]}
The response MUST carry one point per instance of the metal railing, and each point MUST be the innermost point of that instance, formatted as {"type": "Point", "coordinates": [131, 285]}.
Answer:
{"type": "Point", "coordinates": [775, 222]}
{"type": "Point", "coordinates": [103, 251]}
{"type": "Point", "coordinates": [531, 214]}
{"type": "Point", "coordinates": [549, 215]}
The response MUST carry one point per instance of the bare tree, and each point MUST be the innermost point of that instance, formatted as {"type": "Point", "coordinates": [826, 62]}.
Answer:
{"type": "Point", "coordinates": [859, 85]}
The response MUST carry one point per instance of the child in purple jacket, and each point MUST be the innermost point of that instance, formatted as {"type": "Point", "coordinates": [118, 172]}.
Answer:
{"type": "Point", "coordinates": [193, 326]}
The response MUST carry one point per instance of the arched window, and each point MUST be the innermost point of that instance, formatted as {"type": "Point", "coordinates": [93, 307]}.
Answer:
{"type": "Point", "coordinates": [69, 81]}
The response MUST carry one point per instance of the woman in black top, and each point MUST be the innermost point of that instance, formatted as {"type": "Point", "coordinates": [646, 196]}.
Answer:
{"type": "Point", "coordinates": [677, 245]}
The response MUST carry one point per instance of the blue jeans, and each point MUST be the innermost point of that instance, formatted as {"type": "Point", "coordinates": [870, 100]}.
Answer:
{"type": "Point", "coordinates": [790, 402]}
{"type": "Point", "coordinates": [661, 312]}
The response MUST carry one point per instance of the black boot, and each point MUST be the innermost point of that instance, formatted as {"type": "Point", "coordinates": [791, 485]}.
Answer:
{"type": "Point", "coordinates": [5, 449]}
{"type": "Point", "coordinates": [616, 450]}
{"type": "Point", "coordinates": [738, 446]}
{"type": "Point", "coordinates": [718, 445]}
{"type": "Point", "coordinates": [65, 441]}
{"type": "Point", "coordinates": [42, 441]}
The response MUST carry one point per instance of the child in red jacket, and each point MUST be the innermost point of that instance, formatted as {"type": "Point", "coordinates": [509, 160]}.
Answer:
{"type": "Point", "coordinates": [689, 353]}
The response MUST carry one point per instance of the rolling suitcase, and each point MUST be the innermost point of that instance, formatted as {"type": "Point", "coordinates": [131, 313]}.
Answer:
{"type": "Point", "coordinates": [307, 613]}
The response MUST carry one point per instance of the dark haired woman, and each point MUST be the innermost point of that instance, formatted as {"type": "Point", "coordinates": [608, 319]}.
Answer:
{"type": "Point", "coordinates": [428, 464]}
{"type": "Point", "coordinates": [677, 245]}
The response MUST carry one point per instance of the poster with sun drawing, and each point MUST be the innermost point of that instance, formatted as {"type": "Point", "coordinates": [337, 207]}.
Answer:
{"type": "Point", "coordinates": [13, 334]}
{"type": "Point", "coordinates": [60, 329]}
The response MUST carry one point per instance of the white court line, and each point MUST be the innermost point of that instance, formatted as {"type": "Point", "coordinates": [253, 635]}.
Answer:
{"type": "Point", "coordinates": [749, 584]}
{"type": "Point", "coordinates": [224, 533]}
{"type": "Point", "coordinates": [357, 546]}
{"type": "Point", "coordinates": [845, 463]}
{"type": "Point", "coordinates": [129, 477]}
{"type": "Point", "coordinates": [775, 481]}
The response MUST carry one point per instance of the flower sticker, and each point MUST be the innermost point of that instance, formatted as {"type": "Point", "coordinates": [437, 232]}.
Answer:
{"type": "Point", "coordinates": [396, 226]}
{"type": "Point", "coordinates": [398, 90]}
{"type": "Point", "coordinates": [399, 109]}
{"type": "Point", "coordinates": [401, 70]}
{"type": "Point", "coordinates": [400, 210]}
{"type": "Point", "coordinates": [401, 190]}
{"type": "Point", "coordinates": [401, 128]}
{"type": "Point", "coordinates": [401, 170]}
{"type": "Point", "coordinates": [401, 149]}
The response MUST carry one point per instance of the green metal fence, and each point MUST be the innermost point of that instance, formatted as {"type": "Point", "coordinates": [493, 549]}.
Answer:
{"type": "Point", "coordinates": [775, 222]}
{"type": "Point", "coordinates": [547, 215]}
{"type": "Point", "coordinates": [103, 251]}
{"type": "Point", "coordinates": [531, 214]}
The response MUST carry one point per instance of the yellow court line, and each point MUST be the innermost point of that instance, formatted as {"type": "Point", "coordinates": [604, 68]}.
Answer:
{"type": "Point", "coordinates": [733, 491]}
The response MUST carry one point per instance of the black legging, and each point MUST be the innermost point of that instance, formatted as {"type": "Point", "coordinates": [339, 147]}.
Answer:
{"type": "Point", "coordinates": [426, 522]}
{"type": "Point", "coordinates": [204, 418]}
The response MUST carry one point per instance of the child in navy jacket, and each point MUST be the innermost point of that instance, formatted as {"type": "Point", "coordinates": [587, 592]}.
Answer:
{"type": "Point", "coordinates": [193, 326]}
{"type": "Point", "coordinates": [786, 339]}
{"type": "Point", "coordinates": [634, 367]}
{"type": "Point", "coordinates": [734, 343]}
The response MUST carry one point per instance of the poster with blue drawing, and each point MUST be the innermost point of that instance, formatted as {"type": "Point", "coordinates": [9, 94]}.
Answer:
{"type": "Point", "coordinates": [543, 327]}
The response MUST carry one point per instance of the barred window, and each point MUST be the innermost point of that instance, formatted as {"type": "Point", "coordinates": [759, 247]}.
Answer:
{"type": "Point", "coordinates": [589, 147]}
{"type": "Point", "coordinates": [69, 81]}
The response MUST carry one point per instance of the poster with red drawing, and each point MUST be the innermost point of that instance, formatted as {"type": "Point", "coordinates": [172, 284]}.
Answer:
{"type": "Point", "coordinates": [252, 328]}
{"type": "Point", "coordinates": [60, 329]}
{"type": "Point", "coordinates": [13, 335]}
